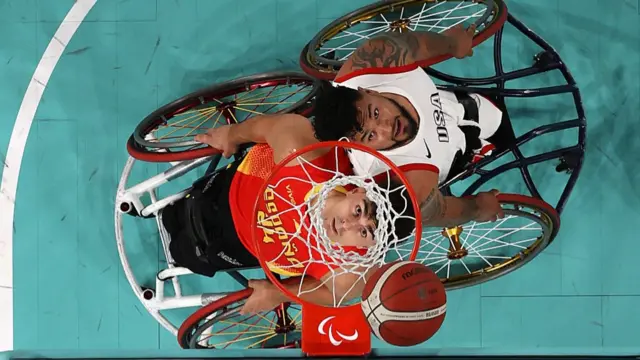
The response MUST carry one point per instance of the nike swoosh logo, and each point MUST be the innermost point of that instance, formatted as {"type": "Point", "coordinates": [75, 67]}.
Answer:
{"type": "Point", "coordinates": [427, 146]}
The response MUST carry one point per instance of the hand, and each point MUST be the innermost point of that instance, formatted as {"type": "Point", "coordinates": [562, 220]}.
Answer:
{"type": "Point", "coordinates": [462, 40]}
{"type": "Point", "coordinates": [219, 138]}
{"type": "Point", "coordinates": [265, 297]}
{"type": "Point", "coordinates": [489, 208]}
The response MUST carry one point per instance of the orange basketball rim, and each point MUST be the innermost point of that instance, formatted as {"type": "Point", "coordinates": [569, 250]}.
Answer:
{"type": "Point", "coordinates": [320, 227]}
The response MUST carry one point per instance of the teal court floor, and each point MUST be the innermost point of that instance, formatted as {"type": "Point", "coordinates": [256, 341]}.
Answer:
{"type": "Point", "coordinates": [130, 56]}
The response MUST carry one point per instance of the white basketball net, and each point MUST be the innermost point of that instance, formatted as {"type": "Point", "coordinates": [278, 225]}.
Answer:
{"type": "Point", "coordinates": [320, 248]}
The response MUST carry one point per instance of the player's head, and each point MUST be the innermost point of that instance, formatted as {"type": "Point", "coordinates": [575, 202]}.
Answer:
{"type": "Point", "coordinates": [364, 116]}
{"type": "Point", "coordinates": [350, 218]}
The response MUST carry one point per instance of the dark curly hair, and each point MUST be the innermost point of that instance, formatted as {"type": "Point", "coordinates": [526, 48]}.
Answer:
{"type": "Point", "coordinates": [335, 112]}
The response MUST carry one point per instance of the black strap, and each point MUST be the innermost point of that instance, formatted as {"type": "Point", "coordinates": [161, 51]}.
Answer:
{"type": "Point", "coordinates": [201, 198]}
{"type": "Point", "coordinates": [195, 228]}
{"type": "Point", "coordinates": [471, 134]}
{"type": "Point", "coordinates": [470, 106]}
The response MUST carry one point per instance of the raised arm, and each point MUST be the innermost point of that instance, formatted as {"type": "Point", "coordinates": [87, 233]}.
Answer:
{"type": "Point", "coordinates": [283, 133]}
{"type": "Point", "coordinates": [446, 211]}
{"type": "Point", "coordinates": [398, 49]}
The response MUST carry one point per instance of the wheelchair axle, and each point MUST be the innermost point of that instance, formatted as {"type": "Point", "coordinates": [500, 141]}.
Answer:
{"type": "Point", "coordinates": [456, 249]}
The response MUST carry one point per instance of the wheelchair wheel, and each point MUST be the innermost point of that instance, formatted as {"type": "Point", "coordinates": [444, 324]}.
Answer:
{"type": "Point", "coordinates": [326, 52]}
{"type": "Point", "coordinates": [475, 253]}
{"type": "Point", "coordinates": [167, 133]}
{"type": "Point", "coordinates": [219, 325]}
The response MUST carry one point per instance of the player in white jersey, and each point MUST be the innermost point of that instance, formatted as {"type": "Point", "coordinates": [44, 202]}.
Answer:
{"type": "Point", "coordinates": [383, 99]}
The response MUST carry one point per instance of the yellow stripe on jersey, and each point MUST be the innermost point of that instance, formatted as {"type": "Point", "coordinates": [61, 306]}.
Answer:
{"type": "Point", "coordinates": [316, 189]}
{"type": "Point", "coordinates": [279, 270]}
{"type": "Point", "coordinates": [258, 162]}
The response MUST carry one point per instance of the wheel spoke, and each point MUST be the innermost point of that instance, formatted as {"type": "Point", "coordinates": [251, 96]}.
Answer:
{"type": "Point", "coordinates": [465, 266]}
{"type": "Point", "coordinates": [443, 266]}
{"type": "Point", "coordinates": [268, 103]}
{"type": "Point", "coordinates": [482, 257]}
{"type": "Point", "coordinates": [286, 98]}
{"type": "Point", "coordinates": [190, 118]}
{"type": "Point", "coordinates": [238, 98]}
{"type": "Point", "coordinates": [272, 96]}
{"type": "Point", "coordinates": [478, 14]}
{"type": "Point", "coordinates": [269, 93]}
{"type": "Point", "coordinates": [448, 13]}
{"type": "Point", "coordinates": [263, 341]}
{"type": "Point", "coordinates": [464, 241]}
{"type": "Point", "coordinates": [201, 123]}
{"type": "Point", "coordinates": [176, 129]}
{"type": "Point", "coordinates": [436, 262]}
{"type": "Point", "coordinates": [359, 33]}
{"type": "Point", "coordinates": [236, 324]}
{"type": "Point", "coordinates": [420, 14]}
{"type": "Point", "coordinates": [501, 236]}
{"type": "Point", "coordinates": [341, 47]}
{"type": "Point", "coordinates": [514, 244]}
{"type": "Point", "coordinates": [491, 257]}
{"type": "Point", "coordinates": [502, 221]}
{"type": "Point", "coordinates": [234, 340]}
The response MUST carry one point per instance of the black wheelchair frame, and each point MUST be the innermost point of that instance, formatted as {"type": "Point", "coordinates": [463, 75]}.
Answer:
{"type": "Point", "coordinates": [571, 158]}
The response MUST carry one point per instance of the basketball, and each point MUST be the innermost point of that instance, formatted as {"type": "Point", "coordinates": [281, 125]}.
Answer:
{"type": "Point", "coordinates": [404, 303]}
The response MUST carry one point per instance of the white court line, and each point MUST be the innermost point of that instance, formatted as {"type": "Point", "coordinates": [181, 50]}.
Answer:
{"type": "Point", "coordinates": [17, 143]}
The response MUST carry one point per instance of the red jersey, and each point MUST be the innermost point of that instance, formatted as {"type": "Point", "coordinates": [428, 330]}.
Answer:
{"type": "Point", "coordinates": [289, 255]}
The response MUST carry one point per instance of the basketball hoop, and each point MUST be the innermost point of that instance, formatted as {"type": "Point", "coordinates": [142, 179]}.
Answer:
{"type": "Point", "coordinates": [322, 254]}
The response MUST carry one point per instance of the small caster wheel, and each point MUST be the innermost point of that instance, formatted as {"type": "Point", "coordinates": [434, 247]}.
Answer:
{"type": "Point", "coordinates": [148, 294]}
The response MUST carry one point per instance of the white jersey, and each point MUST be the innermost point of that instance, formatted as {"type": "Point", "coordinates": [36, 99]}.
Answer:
{"type": "Point", "coordinates": [438, 139]}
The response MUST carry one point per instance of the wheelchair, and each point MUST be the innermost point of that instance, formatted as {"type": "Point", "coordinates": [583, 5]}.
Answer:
{"type": "Point", "coordinates": [165, 138]}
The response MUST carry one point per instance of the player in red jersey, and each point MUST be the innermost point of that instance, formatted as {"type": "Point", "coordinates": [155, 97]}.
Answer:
{"type": "Point", "coordinates": [212, 228]}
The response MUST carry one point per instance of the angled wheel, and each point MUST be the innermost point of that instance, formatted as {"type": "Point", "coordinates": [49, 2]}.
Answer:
{"type": "Point", "coordinates": [475, 253]}
{"type": "Point", "coordinates": [326, 52]}
{"type": "Point", "coordinates": [219, 325]}
{"type": "Point", "coordinates": [167, 133]}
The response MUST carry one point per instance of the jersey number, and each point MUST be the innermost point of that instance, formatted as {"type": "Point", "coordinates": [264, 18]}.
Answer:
{"type": "Point", "coordinates": [271, 224]}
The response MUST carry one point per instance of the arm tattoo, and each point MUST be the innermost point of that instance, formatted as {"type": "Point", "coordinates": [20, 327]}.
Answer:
{"type": "Point", "coordinates": [411, 42]}
{"type": "Point", "coordinates": [397, 49]}
{"type": "Point", "coordinates": [434, 210]}
{"type": "Point", "coordinates": [384, 51]}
